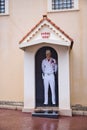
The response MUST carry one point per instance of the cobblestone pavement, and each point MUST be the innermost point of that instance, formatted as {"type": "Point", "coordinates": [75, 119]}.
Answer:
{"type": "Point", "coordinates": [16, 120]}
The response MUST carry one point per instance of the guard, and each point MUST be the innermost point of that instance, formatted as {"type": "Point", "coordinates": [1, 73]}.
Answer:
{"type": "Point", "coordinates": [49, 69]}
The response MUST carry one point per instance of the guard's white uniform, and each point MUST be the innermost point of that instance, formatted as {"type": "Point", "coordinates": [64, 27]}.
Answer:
{"type": "Point", "coordinates": [49, 68]}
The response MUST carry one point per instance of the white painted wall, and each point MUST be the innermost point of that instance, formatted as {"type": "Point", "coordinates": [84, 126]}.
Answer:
{"type": "Point", "coordinates": [64, 86]}
{"type": "Point", "coordinates": [29, 80]}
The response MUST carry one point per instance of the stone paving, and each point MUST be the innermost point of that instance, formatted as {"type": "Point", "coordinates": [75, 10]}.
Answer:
{"type": "Point", "coordinates": [16, 120]}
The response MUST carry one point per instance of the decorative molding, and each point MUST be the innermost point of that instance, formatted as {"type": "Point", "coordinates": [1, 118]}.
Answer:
{"type": "Point", "coordinates": [11, 105]}
{"type": "Point", "coordinates": [79, 109]}
{"type": "Point", "coordinates": [76, 109]}
{"type": "Point", "coordinates": [46, 24]}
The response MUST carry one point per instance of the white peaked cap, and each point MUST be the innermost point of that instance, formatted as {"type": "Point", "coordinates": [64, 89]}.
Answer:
{"type": "Point", "coordinates": [48, 51]}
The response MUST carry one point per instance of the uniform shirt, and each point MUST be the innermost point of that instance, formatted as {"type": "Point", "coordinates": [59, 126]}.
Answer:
{"type": "Point", "coordinates": [49, 66]}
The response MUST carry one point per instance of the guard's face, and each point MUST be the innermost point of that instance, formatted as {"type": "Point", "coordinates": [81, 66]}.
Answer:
{"type": "Point", "coordinates": [48, 55]}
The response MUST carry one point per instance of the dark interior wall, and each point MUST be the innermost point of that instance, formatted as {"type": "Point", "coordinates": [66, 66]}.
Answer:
{"type": "Point", "coordinates": [39, 88]}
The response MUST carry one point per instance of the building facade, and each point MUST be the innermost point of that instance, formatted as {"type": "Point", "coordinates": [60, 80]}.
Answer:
{"type": "Point", "coordinates": [19, 17]}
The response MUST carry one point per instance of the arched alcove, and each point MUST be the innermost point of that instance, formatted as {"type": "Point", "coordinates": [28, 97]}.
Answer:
{"type": "Point", "coordinates": [39, 87]}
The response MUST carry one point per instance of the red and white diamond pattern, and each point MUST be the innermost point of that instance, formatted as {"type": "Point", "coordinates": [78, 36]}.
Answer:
{"type": "Point", "coordinates": [45, 34]}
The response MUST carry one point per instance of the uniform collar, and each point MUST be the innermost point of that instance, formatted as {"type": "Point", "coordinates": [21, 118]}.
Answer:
{"type": "Point", "coordinates": [49, 60]}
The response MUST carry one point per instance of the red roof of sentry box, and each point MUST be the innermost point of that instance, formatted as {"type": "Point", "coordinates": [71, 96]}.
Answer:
{"type": "Point", "coordinates": [52, 23]}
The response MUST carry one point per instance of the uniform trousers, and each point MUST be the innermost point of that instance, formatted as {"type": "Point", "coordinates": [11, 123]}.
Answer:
{"type": "Point", "coordinates": [49, 79]}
